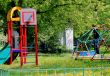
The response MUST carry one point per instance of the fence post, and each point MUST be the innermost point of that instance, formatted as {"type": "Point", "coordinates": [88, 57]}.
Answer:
{"type": "Point", "coordinates": [83, 68]}
{"type": "Point", "coordinates": [55, 73]}
{"type": "Point", "coordinates": [1, 72]}
{"type": "Point", "coordinates": [46, 73]}
{"type": "Point", "coordinates": [83, 71]}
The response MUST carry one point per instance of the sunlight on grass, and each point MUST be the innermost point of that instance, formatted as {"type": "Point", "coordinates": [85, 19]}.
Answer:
{"type": "Point", "coordinates": [56, 61]}
{"type": "Point", "coordinates": [59, 61]}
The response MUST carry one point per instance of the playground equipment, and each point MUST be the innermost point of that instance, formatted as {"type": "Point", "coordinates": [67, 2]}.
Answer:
{"type": "Point", "coordinates": [89, 44]}
{"type": "Point", "coordinates": [11, 50]}
{"type": "Point", "coordinates": [105, 43]}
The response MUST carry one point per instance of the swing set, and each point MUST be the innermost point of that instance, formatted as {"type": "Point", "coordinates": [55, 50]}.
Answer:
{"type": "Point", "coordinates": [90, 44]}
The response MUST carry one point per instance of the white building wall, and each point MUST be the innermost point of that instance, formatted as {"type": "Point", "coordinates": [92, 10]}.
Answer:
{"type": "Point", "coordinates": [67, 39]}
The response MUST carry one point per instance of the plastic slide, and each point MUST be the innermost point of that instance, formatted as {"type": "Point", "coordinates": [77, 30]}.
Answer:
{"type": "Point", "coordinates": [5, 54]}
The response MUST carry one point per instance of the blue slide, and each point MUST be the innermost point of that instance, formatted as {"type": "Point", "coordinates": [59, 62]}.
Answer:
{"type": "Point", "coordinates": [5, 54]}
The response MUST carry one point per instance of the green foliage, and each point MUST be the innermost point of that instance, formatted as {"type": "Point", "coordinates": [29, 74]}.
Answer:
{"type": "Point", "coordinates": [53, 16]}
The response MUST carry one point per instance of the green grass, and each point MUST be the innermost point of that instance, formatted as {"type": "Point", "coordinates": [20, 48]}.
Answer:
{"type": "Point", "coordinates": [71, 72]}
{"type": "Point", "coordinates": [57, 61]}
{"type": "Point", "coordinates": [52, 61]}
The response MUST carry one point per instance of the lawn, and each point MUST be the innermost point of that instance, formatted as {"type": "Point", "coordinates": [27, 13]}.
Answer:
{"type": "Point", "coordinates": [58, 65]}
{"type": "Point", "coordinates": [56, 61]}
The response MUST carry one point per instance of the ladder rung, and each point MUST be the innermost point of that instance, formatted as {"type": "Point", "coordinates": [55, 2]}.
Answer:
{"type": "Point", "coordinates": [15, 27]}
{"type": "Point", "coordinates": [27, 52]}
{"type": "Point", "coordinates": [16, 36]}
{"type": "Point", "coordinates": [29, 62]}
{"type": "Point", "coordinates": [15, 50]}
{"type": "Point", "coordinates": [28, 47]}
{"type": "Point", "coordinates": [28, 57]}
{"type": "Point", "coordinates": [30, 26]}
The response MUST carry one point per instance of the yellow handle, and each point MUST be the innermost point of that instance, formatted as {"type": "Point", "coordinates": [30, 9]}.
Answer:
{"type": "Point", "coordinates": [11, 12]}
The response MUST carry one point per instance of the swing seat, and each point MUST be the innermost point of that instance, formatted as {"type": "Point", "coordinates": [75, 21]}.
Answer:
{"type": "Point", "coordinates": [92, 53]}
{"type": "Point", "coordinates": [85, 53]}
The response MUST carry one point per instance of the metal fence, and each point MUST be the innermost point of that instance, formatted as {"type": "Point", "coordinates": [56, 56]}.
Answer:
{"type": "Point", "coordinates": [99, 71]}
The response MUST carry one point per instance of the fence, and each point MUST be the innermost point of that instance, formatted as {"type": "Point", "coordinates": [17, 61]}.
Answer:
{"type": "Point", "coordinates": [100, 71]}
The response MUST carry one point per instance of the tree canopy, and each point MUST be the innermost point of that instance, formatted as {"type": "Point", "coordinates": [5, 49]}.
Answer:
{"type": "Point", "coordinates": [56, 15]}
{"type": "Point", "coordinates": [53, 16]}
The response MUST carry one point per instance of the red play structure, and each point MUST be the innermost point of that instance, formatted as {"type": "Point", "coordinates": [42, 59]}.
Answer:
{"type": "Point", "coordinates": [27, 18]}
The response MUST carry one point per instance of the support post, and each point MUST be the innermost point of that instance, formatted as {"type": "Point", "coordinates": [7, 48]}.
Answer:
{"type": "Point", "coordinates": [20, 46]}
{"type": "Point", "coordinates": [10, 41]}
{"type": "Point", "coordinates": [25, 42]}
{"type": "Point", "coordinates": [36, 42]}
{"type": "Point", "coordinates": [8, 32]}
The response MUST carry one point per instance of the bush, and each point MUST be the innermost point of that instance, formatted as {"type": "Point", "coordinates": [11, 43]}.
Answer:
{"type": "Point", "coordinates": [51, 46]}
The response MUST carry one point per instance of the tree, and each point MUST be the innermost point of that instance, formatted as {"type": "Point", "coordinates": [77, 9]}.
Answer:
{"type": "Point", "coordinates": [53, 16]}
